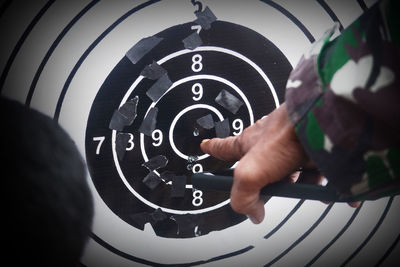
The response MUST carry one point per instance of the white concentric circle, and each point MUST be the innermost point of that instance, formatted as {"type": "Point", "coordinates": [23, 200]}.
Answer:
{"type": "Point", "coordinates": [216, 49]}
{"type": "Point", "coordinates": [173, 123]}
{"type": "Point", "coordinates": [194, 78]}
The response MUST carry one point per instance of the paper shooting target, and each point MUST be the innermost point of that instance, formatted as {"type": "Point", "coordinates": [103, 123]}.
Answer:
{"type": "Point", "coordinates": [139, 84]}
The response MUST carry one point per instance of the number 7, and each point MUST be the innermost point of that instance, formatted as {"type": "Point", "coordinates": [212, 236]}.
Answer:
{"type": "Point", "coordinates": [99, 139]}
{"type": "Point", "coordinates": [197, 28]}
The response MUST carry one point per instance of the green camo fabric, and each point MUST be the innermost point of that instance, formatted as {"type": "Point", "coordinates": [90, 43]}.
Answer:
{"type": "Point", "coordinates": [343, 98]}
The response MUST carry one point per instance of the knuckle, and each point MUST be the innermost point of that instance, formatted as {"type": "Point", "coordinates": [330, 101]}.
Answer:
{"type": "Point", "coordinates": [218, 147]}
{"type": "Point", "coordinates": [238, 143]}
{"type": "Point", "coordinates": [238, 205]}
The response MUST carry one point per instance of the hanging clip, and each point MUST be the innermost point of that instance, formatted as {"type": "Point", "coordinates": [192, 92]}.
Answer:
{"type": "Point", "coordinates": [198, 4]}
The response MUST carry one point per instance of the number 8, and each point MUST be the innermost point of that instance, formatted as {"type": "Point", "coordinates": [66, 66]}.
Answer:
{"type": "Point", "coordinates": [197, 198]}
{"type": "Point", "coordinates": [197, 65]}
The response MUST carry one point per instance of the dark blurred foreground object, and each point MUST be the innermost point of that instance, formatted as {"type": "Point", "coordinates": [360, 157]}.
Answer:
{"type": "Point", "coordinates": [49, 207]}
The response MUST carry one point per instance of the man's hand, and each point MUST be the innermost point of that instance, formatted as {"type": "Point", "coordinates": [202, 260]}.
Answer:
{"type": "Point", "coordinates": [268, 151]}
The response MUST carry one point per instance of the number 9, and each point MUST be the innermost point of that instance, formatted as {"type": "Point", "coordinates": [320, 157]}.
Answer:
{"type": "Point", "coordinates": [157, 136]}
{"type": "Point", "coordinates": [197, 90]}
{"type": "Point", "coordinates": [238, 126]}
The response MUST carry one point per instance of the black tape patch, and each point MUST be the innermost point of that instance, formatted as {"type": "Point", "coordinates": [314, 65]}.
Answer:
{"type": "Point", "coordinates": [118, 121]}
{"type": "Point", "coordinates": [222, 128]}
{"type": "Point", "coordinates": [152, 180]}
{"type": "Point", "coordinates": [206, 122]}
{"type": "Point", "coordinates": [188, 223]}
{"type": "Point", "coordinates": [121, 143]}
{"type": "Point", "coordinates": [159, 88]}
{"type": "Point", "coordinates": [141, 48]}
{"type": "Point", "coordinates": [167, 176]}
{"type": "Point", "coordinates": [149, 122]}
{"type": "Point", "coordinates": [205, 18]}
{"type": "Point", "coordinates": [229, 101]}
{"type": "Point", "coordinates": [125, 115]}
{"type": "Point", "coordinates": [129, 109]}
{"type": "Point", "coordinates": [139, 220]}
{"type": "Point", "coordinates": [156, 163]}
{"type": "Point", "coordinates": [178, 186]}
{"type": "Point", "coordinates": [153, 71]}
{"type": "Point", "coordinates": [157, 216]}
{"type": "Point", "coordinates": [192, 41]}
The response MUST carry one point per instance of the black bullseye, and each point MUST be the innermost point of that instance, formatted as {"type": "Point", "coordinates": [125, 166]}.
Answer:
{"type": "Point", "coordinates": [185, 129]}
{"type": "Point", "coordinates": [217, 89]}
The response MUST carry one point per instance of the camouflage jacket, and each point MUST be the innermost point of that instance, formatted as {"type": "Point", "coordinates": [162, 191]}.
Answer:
{"type": "Point", "coordinates": [344, 101]}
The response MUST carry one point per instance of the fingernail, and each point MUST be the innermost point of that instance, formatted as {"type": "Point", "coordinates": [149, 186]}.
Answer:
{"type": "Point", "coordinates": [205, 141]}
{"type": "Point", "coordinates": [254, 219]}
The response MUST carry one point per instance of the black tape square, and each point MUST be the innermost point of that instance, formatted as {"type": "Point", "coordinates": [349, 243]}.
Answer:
{"type": "Point", "coordinates": [125, 115]}
{"type": "Point", "coordinates": [149, 123]}
{"type": "Point", "coordinates": [118, 121]}
{"type": "Point", "coordinates": [159, 88]}
{"type": "Point", "coordinates": [156, 163]}
{"type": "Point", "coordinates": [178, 186]}
{"type": "Point", "coordinates": [129, 110]}
{"type": "Point", "coordinates": [192, 41]}
{"type": "Point", "coordinates": [167, 176]}
{"type": "Point", "coordinates": [152, 180]}
{"type": "Point", "coordinates": [153, 71]}
{"type": "Point", "coordinates": [141, 48]}
{"type": "Point", "coordinates": [222, 128]}
{"type": "Point", "coordinates": [229, 101]}
{"type": "Point", "coordinates": [205, 18]}
{"type": "Point", "coordinates": [207, 122]}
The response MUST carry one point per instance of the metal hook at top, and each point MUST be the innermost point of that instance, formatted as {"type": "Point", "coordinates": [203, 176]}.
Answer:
{"type": "Point", "coordinates": [198, 4]}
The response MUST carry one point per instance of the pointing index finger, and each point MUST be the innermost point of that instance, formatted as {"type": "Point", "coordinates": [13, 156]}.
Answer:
{"type": "Point", "coordinates": [222, 148]}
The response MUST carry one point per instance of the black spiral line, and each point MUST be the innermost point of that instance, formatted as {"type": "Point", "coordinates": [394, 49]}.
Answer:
{"type": "Point", "coordinates": [362, 5]}
{"type": "Point", "coordinates": [54, 46]}
{"type": "Point", "coordinates": [371, 234]}
{"type": "Point", "coordinates": [303, 236]}
{"type": "Point", "coordinates": [89, 50]}
{"type": "Point", "coordinates": [290, 214]}
{"type": "Point", "coordinates": [292, 18]}
{"type": "Point", "coordinates": [388, 251]}
{"type": "Point", "coordinates": [341, 232]}
{"type": "Point", "coordinates": [21, 41]}
{"type": "Point", "coordinates": [4, 7]}
{"type": "Point", "coordinates": [331, 14]}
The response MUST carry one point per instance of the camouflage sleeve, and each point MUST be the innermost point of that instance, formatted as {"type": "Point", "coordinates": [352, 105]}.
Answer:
{"type": "Point", "coordinates": [344, 101]}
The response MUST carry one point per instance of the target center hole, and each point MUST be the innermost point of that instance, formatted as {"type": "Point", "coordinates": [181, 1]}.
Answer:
{"type": "Point", "coordinates": [186, 134]}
